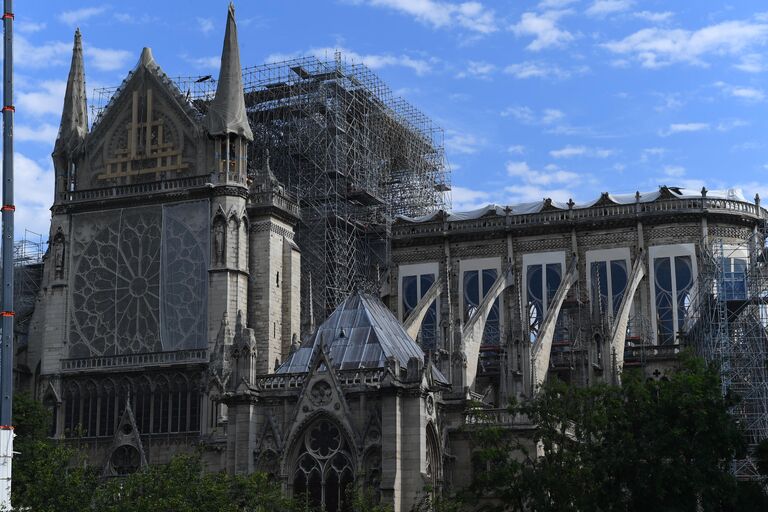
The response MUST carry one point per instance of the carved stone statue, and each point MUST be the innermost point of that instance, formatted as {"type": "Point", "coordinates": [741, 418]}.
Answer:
{"type": "Point", "coordinates": [218, 242]}
{"type": "Point", "coordinates": [58, 254]}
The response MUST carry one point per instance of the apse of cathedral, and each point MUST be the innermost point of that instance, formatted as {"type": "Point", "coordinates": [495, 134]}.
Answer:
{"type": "Point", "coordinates": [169, 313]}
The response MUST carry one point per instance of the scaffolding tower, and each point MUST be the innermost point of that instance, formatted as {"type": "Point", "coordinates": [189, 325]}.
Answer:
{"type": "Point", "coordinates": [352, 154]}
{"type": "Point", "coordinates": [728, 328]}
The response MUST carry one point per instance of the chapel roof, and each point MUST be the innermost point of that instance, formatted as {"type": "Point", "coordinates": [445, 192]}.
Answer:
{"type": "Point", "coordinates": [360, 333]}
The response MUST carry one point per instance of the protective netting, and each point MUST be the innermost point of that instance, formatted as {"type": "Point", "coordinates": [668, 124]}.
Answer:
{"type": "Point", "coordinates": [139, 280]}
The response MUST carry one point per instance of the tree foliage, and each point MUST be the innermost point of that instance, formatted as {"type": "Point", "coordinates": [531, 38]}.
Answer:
{"type": "Point", "coordinates": [644, 445]}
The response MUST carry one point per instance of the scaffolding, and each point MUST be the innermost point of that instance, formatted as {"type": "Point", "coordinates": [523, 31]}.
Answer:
{"type": "Point", "coordinates": [728, 327]}
{"type": "Point", "coordinates": [28, 271]}
{"type": "Point", "coordinates": [354, 156]}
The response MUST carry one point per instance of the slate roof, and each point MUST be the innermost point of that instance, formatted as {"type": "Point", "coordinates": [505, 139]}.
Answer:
{"type": "Point", "coordinates": [360, 333]}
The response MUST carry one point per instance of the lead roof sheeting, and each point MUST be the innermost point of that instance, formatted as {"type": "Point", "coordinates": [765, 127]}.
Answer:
{"type": "Point", "coordinates": [371, 335]}
{"type": "Point", "coordinates": [734, 194]}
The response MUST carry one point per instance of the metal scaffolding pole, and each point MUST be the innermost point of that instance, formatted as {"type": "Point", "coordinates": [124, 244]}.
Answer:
{"type": "Point", "coordinates": [6, 350]}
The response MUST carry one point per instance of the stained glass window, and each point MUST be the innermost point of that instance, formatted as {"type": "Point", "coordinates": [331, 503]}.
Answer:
{"type": "Point", "coordinates": [673, 281]}
{"type": "Point", "coordinates": [542, 282]}
{"type": "Point", "coordinates": [414, 287]}
{"type": "Point", "coordinates": [323, 469]}
{"type": "Point", "coordinates": [476, 285]}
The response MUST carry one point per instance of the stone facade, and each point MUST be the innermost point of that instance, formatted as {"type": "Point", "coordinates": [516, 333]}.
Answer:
{"type": "Point", "coordinates": [169, 314]}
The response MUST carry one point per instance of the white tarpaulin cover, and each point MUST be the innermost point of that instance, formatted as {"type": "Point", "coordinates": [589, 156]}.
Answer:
{"type": "Point", "coordinates": [734, 194]}
{"type": "Point", "coordinates": [226, 113]}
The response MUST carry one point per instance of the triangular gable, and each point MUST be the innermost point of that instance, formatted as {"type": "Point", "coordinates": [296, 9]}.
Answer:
{"type": "Point", "coordinates": [143, 130]}
{"type": "Point", "coordinates": [321, 394]}
{"type": "Point", "coordinates": [269, 438]}
{"type": "Point", "coordinates": [126, 444]}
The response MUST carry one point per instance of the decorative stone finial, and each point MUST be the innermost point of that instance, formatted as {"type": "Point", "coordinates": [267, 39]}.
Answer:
{"type": "Point", "coordinates": [703, 191]}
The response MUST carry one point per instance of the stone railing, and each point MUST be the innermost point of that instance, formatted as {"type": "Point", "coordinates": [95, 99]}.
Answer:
{"type": "Point", "coordinates": [575, 215]}
{"type": "Point", "coordinates": [153, 187]}
{"type": "Point", "coordinates": [481, 416]}
{"type": "Point", "coordinates": [275, 199]}
{"type": "Point", "coordinates": [288, 381]}
{"type": "Point", "coordinates": [643, 352]}
{"type": "Point", "coordinates": [134, 360]}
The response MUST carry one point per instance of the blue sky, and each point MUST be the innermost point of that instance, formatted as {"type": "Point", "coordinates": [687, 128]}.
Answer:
{"type": "Point", "coordinates": [556, 98]}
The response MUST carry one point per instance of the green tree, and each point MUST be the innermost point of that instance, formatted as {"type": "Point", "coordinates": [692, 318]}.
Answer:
{"type": "Point", "coordinates": [646, 445]}
{"type": "Point", "coordinates": [47, 477]}
{"type": "Point", "coordinates": [183, 485]}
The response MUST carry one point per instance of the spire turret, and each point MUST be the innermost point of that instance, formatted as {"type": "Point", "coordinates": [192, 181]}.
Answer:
{"type": "Point", "coordinates": [74, 116]}
{"type": "Point", "coordinates": [226, 114]}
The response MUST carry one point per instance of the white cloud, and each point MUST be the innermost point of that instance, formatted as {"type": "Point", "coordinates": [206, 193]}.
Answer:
{"type": "Point", "coordinates": [47, 99]}
{"type": "Point", "coordinates": [28, 27]}
{"type": "Point", "coordinates": [34, 199]}
{"type": "Point", "coordinates": [748, 93]}
{"type": "Point", "coordinates": [549, 176]}
{"type": "Point", "coordinates": [80, 15]}
{"type": "Point", "coordinates": [602, 8]}
{"type": "Point", "coordinates": [468, 199]}
{"type": "Point", "coordinates": [538, 69]}
{"type": "Point", "coordinates": [543, 27]}
{"type": "Point", "coordinates": [205, 25]}
{"type": "Point", "coordinates": [27, 55]}
{"type": "Point", "coordinates": [45, 133]}
{"type": "Point", "coordinates": [729, 124]}
{"type": "Point", "coordinates": [477, 69]}
{"type": "Point", "coordinates": [527, 115]}
{"type": "Point", "coordinates": [471, 15]}
{"type": "Point", "coordinates": [657, 47]}
{"type": "Point", "coordinates": [551, 115]}
{"type": "Point", "coordinates": [516, 149]}
{"type": "Point", "coordinates": [206, 63]}
{"type": "Point", "coordinates": [649, 153]}
{"type": "Point", "coordinates": [532, 193]}
{"type": "Point", "coordinates": [741, 92]}
{"type": "Point", "coordinates": [674, 171]}
{"type": "Point", "coordinates": [654, 17]}
{"type": "Point", "coordinates": [106, 59]}
{"type": "Point", "coordinates": [464, 143]}
{"type": "Point", "coordinates": [555, 4]}
{"type": "Point", "coordinates": [581, 151]}
{"type": "Point", "coordinates": [751, 63]}
{"type": "Point", "coordinates": [685, 128]}
{"type": "Point", "coordinates": [373, 61]}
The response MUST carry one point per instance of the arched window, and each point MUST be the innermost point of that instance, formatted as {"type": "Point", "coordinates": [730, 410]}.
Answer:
{"type": "Point", "coordinates": [323, 468]}
{"type": "Point", "coordinates": [179, 404]}
{"type": "Point", "coordinates": [433, 469]}
{"type": "Point", "coordinates": [107, 409]}
{"type": "Point", "coordinates": [71, 409]}
{"type": "Point", "coordinates": [244, 240]}
{"type": "Point", "coordinates": [160, 406]}
{"type": "Point", "coordinates": [90, 409]}
{"type": "Point", "coordinates": [143, 409]}
{"type": "Point", "coordinates": [193, 422]}
{"type": "Point", "coordinates": [233, 242]}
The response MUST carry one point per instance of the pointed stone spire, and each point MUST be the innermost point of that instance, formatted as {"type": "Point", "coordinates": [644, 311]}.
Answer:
{"type": "Point", "coordinates": [74, 116]}
{"type": "Point", "coordinates": [146, 59]}
{"type": "Point", "coordinates": [226, 113]}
